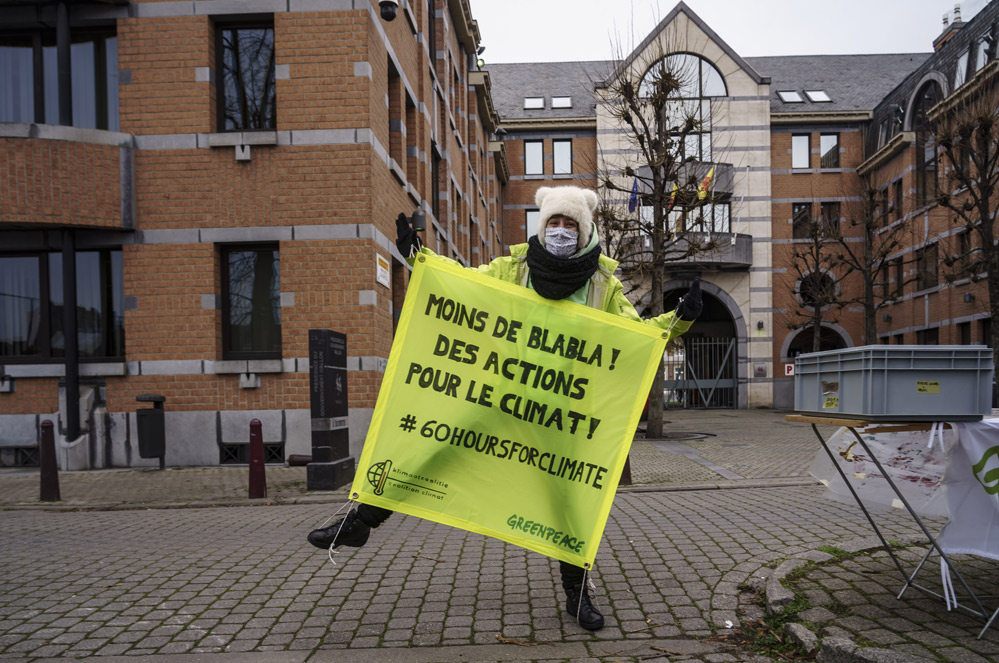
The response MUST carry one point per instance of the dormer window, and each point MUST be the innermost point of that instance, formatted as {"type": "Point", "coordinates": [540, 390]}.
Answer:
{"type": "Point", "coordinates": [534, 103]}
{"type": "Point", "coordinates": [961, 72]}
{"type": "Point", "coordinates": [790, 97]}
{"type": "Point", "coordinates": [561, 102]}
{"type": "Point", "coordinates": [817, 96]}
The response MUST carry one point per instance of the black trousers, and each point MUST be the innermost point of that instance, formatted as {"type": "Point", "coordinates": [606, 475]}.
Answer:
{"type": "Point", "coordinates": [373, 516]}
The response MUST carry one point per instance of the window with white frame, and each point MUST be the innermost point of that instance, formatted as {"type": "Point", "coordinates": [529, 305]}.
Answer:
{"type": "Point", "coordinates": [561, 102]}
{"type": "Point", "coordinates": [699, 82]}
{"type": "Point", "coordinates": [531, 218]}
{"type": "Point", "coordinates": [829, 151]}
{"type": "Point", "coordinates": [534, 157]}
{"type": "Point", "coordinates": [562, 157]}
{"type": "Point", "coordinates": [800, 151]}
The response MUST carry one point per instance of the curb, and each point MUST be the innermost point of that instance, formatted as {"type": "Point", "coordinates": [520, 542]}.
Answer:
{"type": "Point", "coordinates": [830, 649]}
{"type": "Point", "coordinates": [342, 495]}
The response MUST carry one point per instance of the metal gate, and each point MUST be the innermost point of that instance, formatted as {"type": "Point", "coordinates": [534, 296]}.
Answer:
{"type": "Point", "coordinates": [701, 374]}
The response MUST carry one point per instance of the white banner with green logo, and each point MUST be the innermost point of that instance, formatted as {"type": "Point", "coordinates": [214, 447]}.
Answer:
{"type": "Point", "coordinates": [973, 492]}
{"type": "Point", "coordinates": [505, 413]}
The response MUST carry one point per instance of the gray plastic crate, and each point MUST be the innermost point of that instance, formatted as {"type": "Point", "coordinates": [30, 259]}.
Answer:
{"type": "Point", "coordinates": [896, 382]}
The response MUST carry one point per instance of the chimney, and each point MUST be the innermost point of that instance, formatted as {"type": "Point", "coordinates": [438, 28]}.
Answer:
{"type": "Point", "coordinates": [950, 28]}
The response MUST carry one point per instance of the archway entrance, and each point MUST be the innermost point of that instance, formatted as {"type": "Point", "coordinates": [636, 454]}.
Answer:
{"type": "Point", "coordinates": [701, 367]}
{"type": "Point", "coordinates": [803, 340]}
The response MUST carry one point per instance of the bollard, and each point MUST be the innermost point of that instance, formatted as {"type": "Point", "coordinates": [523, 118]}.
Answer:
{"type": "Point", "coordinates": [47, 464]}
{"type": "Point", "coordinates": [258, 481]}
{"type": "Point", "coordinates": [626, 472]}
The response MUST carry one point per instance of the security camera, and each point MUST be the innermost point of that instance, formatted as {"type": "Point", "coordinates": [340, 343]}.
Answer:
{"type": "Point", "coordinates": [388, 8]}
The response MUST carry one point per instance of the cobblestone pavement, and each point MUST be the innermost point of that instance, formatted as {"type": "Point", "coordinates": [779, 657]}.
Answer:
{"type": "Point", "coordinates": [682, 552]}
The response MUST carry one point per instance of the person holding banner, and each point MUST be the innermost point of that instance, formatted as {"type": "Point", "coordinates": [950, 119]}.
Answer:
{"type": "Point", "coordinates": [563, 261]}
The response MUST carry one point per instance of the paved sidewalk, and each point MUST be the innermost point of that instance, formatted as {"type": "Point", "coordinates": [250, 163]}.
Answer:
{"type": "Point", "coordinates": [116, 570]}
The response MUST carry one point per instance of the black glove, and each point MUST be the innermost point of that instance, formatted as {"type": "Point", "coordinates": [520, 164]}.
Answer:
{"type": "Point", "coordinates": [408, 242]}
{"type": "Point", "coordinates": [690, 304]}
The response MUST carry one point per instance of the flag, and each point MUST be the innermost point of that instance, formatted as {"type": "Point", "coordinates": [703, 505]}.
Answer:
{"type": "Point", "coordinates": [672, 199]}
{"type": "Point", "coordinates": [702, 191]}
{"type": "Point", "coordinates": [505, 413]}
{"type": "Point", "coordinates": [633, 200]}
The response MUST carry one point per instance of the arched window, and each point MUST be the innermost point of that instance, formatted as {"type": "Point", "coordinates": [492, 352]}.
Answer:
{"type": "Point", "coordinates": [926, 147]}
{"type": "Point", "coordinates": [817, 290]}
{"type": "Point", "coordinates": [698, 81]}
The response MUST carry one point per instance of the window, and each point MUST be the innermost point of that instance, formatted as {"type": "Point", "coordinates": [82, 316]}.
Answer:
{"type": "Point", "coordinates": [926, 267]}
{"type": "Point", "coordinates": [898, 268]}
{"type": "Point", "coordinates": [985, 331]}
{"type": "Point", "coordinates": [251, 302]}
{"type": "Point", "coordinates": [817, 96]}
{"type": "Point", "coordinates": [801, 220]}
{"type": "Point", "coordinates": [829, 151]}
{"type": "Point", "coordinates": [898, 199]}
{"type": "Point", "coordinates": [899, 339]}
{"type": "Point", "coordinates": [817, 289]}
{"type": "Point", "coordinates": [534, 103]}
{"type": "Point", "coordinates": [961, 71]}
{"type": "Point", "coordinates": [435, 180]}
{"type": "Point", "coordinates": [534, 157]}
{"type": "Point", "coordinates": [691, 82]}
{"type": "Point", "coordinates": [31, 306]}
{"type": "Point", "coordinates": [531, 218]}
{"type": "Point", "coordinates": [830, 219]}
{"type": "Point", "coordinates": [713, 218]}
{"type": "Point", "coordinates": [926, 151]}
{"type": "Point", "coordinates": [883, 208]}
{"type": "Point", "coordinates": [562, 152]}
{"type": "Point", "coordinates": [982, 48]}
{"type": "Point", "coordinates": [964, 333]}
{"type": "Point", "coordinates": [929, 336]}
{"type": "Point", "coordinates": [790, 97]}
{"type": "Point", "coordinates": [246, 95]}
{"type": "Point", "coordinates": [561, 102]}
{"type": "Point", "coordinates": [29, 79]}
{"type": "Point", "coordinates": [800, 147]}
{"type": "Point", "coordinates": [432, 35]}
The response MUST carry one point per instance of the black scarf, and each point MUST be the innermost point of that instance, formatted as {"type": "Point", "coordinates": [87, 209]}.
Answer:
{"type": "Point", "coordinates": [557, 278]}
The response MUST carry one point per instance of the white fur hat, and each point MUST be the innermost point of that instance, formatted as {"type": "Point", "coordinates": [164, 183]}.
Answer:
{"type": "Point", "coordinates": [571, 201]}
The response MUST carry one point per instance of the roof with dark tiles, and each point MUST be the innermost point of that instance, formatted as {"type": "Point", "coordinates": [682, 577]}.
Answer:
{"type": "Point", "coordinates": [511, 83]}
{"type": "Point", "coordinates": [853, 82]}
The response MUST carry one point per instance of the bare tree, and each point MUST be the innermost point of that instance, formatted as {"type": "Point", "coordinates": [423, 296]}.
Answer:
{"type": "Point", "coordinates": [965, 129]}
{"type": "Point", "coordinates": [866, 238]}
{"type": "Point", "coordinates": [658, 103]}
{"type": "Point", "coordinates": [818, 273]}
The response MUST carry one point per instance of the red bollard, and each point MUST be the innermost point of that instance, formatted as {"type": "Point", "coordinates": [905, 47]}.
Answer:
{"type": "Point", "coordinates": [47, 464]}
{"type": "Point", "coordinates": [258, 481]}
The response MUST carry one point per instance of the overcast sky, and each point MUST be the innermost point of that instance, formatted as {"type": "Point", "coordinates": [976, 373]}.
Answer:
{"type": "Point", "coordinates": [570, 30]}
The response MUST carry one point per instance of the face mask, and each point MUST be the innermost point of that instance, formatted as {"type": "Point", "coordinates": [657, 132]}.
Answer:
{"type": "Point", "coordinates": [561, 242]}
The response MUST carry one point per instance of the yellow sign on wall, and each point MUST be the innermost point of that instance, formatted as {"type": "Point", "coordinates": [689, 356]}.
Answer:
{"type": "Point", "coordinates": [505, 413]}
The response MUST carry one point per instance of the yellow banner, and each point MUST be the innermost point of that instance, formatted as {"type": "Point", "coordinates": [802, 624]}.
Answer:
{"type": "Point", "coordinates": [505, 413]}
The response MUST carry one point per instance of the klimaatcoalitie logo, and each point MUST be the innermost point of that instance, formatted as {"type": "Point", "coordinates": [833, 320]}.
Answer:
{"type": "Point", "coordinates": [989, 478]}
{"type": "Point", "coordinates": [378, 474]}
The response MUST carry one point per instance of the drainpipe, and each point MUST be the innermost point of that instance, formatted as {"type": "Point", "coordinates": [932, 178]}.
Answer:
{"type": "Point", "coordinates": [72, 357]}
{"type": "Point", "coordinates": [64, 63]}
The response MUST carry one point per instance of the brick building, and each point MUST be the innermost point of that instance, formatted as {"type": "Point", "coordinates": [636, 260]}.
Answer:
{"type": "Point", "coordinates": [796, 139]}
{"type": "Point", "coordinates": [220, 182]}
{"type": "Point", "coordinates": [225, 176]}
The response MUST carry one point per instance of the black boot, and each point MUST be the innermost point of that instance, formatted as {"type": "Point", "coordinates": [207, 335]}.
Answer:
{"type": "Point", "coordinates": [357, 525]}
{"type": "Point", "coordinates": [352, 532]}
{"type": "Point", "coordinates": [586, 615]}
